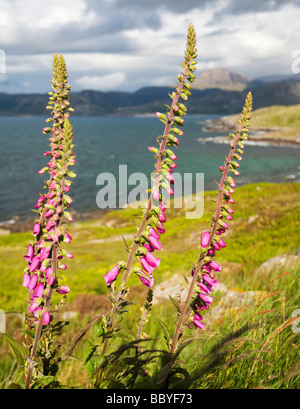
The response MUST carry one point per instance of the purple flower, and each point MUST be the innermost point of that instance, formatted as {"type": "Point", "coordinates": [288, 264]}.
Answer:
{"type": "Point", "coordinates": [46, 318]}
{"type": "Point", "coordinates": [63, 289]}
{"type": "Point", "coordinates": [38, 291]}
{"type": "Point", "coordinates": [34, 265]}
{"type": "Point", "coordinates": [154, 233]}
{"type": "Point", "coordinates": [36, 229]}
{"type": "Point", "coordinates": [112, 275]}
{"type": "Point", "coordinates": [44, 253]}
{"type": "Point", "coordinates": [146, 279]}
{"type": "Point", "coordinates": [203, 288]}
{"type": "Point", "coordinates": [26, 279]}
{"type": "Point", "coordinates": [162, 217]}
{"type": "Point", "coordinates": [29, 254]}
{"type": "Point", "coordinates": [146, 266]}
{"type": "Point", "coordinates": [221, 243]}
{"type": "Point", "coordinates": [215, 266]}
{"type": "Point", "coordinates": [197, 321]}
{"type": "Point", "coordinates": [31, 286]}
{"type": "Point", "coordinates": [205, 237]}
{"type": "Point", "coordinates": [33, 307]}
{"type": "Point", "coordinates": [154, 242]}
{"type": "Point", "coordinates": [154, 262]}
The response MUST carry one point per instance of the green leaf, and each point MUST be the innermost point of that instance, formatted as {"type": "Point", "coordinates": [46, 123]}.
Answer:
{"type": "Point", "coordinates": [14, 386]}
{"type": "Point", "coordinates": [19, 352]}
{"type": "Point", "coordinates": [165, 330]}
{"type": "Point", "coordinates": [175, 302]}
{"type": "Point", "coordinates": [44, 381]}
{"type": "Point", "coordinates": [98, 328]}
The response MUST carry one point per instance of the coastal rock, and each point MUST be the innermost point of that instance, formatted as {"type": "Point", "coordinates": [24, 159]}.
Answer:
{"type": "Point", "coordinates": [175, 287]}
{"type": "Point", "coordinates": [278, 262]}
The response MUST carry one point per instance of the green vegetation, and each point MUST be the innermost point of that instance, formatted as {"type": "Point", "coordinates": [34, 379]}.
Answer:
{"type": "Point", "coordinates": [282, 122]}
{"type": "Point", "coordinates": [249, 345]}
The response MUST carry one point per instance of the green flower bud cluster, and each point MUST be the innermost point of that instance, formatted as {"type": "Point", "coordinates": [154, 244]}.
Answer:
{"type": "Point", "coordinates": [174, 121]}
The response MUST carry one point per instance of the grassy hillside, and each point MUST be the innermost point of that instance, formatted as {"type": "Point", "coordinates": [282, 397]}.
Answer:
{"type": "Point", "coordinates": [266, 224]}
{"type": "Point", "coordinates": [279, 122]}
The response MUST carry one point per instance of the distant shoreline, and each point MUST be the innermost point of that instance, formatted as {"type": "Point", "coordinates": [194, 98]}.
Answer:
{"type": "Point", "coordinates": [263, 134]}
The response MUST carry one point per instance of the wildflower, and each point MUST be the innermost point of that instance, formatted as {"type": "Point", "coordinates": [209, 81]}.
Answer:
{"type": "Point", "coordinates": [28, 256]}
{"type": "Point", "coordinates": [26, 279]}
{"type": "Point", "coordinates": [197, 318]}
{"type": "Point", "coordinates": [63, 289]}
{"type": "Point", "coordinates": [36, 229]}
{"type": "Point", "coordinates": [205, 238]}
{"type": "Point", "coordinates": [112, 275]}
{"type": "Point", "coordinates": [46, 318]}
{"type": "Point", "coordinates": [146, 279]}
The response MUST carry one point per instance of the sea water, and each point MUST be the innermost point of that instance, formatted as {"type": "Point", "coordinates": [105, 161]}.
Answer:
{"type": "Point", "coordinates": [102, 144]}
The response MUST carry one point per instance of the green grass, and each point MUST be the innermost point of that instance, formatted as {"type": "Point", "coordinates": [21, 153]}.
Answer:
{"type": "Point", "coordinates": [285, 118]}
{"type": "Point", "coordinates": [230, 353]}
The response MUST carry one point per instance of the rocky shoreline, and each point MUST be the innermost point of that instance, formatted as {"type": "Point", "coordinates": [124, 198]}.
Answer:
{"type": "Point", "coordinates": [227, 124]}
{"type": "Point", "coordinates": [19, 225]}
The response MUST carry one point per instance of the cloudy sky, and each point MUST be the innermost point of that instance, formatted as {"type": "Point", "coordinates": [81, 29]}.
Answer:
{"type": "Point", "coordinates": [128, 44]}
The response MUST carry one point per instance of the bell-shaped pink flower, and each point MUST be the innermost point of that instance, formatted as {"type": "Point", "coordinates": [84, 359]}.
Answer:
{"type": "Point", "coordinates": [29, 254]}
{"type": "Point", "coordinates": [154, 262]}
{"type": "Point", "coordinates": [33, 307]}
{"type": "Point", "coordinates": [221, 243]}
{"type": "Point", "coordinates": [112, 275]}
{"type": "Point", "coordinates": [46, 318]}
{"type": "Point", "coordinates": [26, 279]}
{"type": "Point", "coordinates": [205, 237]}
{"type": "Point", "coordinates": [197, 321]}
{"type": "Point", "coordinates": [34, 265]}
{"type": "Point", "coordinates": [44, 253]}
{"type": "Point", "coordinates": [206, 298]}
{"type": "Point", "coordinates": [162, 217]}
{"type": "Point", "coordinates": [31, 286]}
{"type": "Point", "coordinates": [36, 229]}
{"type": "Point", "coordinates": [154, 233]}
{"type": "Point", "coordinates": [63, 289]}
{"type": "Point", "coordinates": [215, 266]}
{"type": "Point", "coordinates": [38, 291]}
{"type": "Point", "coordinates": [154, 242]}
{"type": "Point", "coordinates": [147, 266]}
{"type": "Point", "coordinates": [148, 280]}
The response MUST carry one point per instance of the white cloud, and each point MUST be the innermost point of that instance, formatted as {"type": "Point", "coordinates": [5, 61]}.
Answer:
{"type": "Point", "coordinates": [102, 83]}
{"type": "Point", "coordinates": [106, 44]}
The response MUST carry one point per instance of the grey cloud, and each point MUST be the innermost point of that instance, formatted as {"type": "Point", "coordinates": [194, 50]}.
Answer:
{"type": "Point", "coordinates": [248, 6]}
{"type": "Point", "coordinates": [171, 5]}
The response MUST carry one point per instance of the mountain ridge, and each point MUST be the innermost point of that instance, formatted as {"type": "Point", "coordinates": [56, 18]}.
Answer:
{"type": "Point", "coordinates": [222, 94]}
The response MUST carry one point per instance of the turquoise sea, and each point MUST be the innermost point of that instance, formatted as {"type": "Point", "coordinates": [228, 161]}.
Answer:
{"type": "Point", "coordinates": [104, 143]}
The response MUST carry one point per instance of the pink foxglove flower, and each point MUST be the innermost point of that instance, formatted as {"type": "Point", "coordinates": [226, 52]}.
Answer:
{"type": "Point", "coordinates": [29, 254]}
{"type": "Point", "coordinates": [63, 289]}
{"type": "Point", "coordinates": [26, 279]}
{"type": "Point", "coordinates": [154, 242]}
{"type": "Point", "coordinates": [36, 229]}
{"type": "Point", "coordinates": [146, 279]}
{"type": "Point", "coordinates": [46, 318]}
{"type": "Point", "coordinates": [31, 286]}
{"type": "Point", "coordinates": [205, 237]}
{"type": "Point", "coordinates": [112, 275]}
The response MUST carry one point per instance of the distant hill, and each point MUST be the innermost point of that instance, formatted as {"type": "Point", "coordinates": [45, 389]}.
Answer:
{"type": "Point", "coordinates": [214, 92]}
{"type": "Point", "coordinates": [222, 79]}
